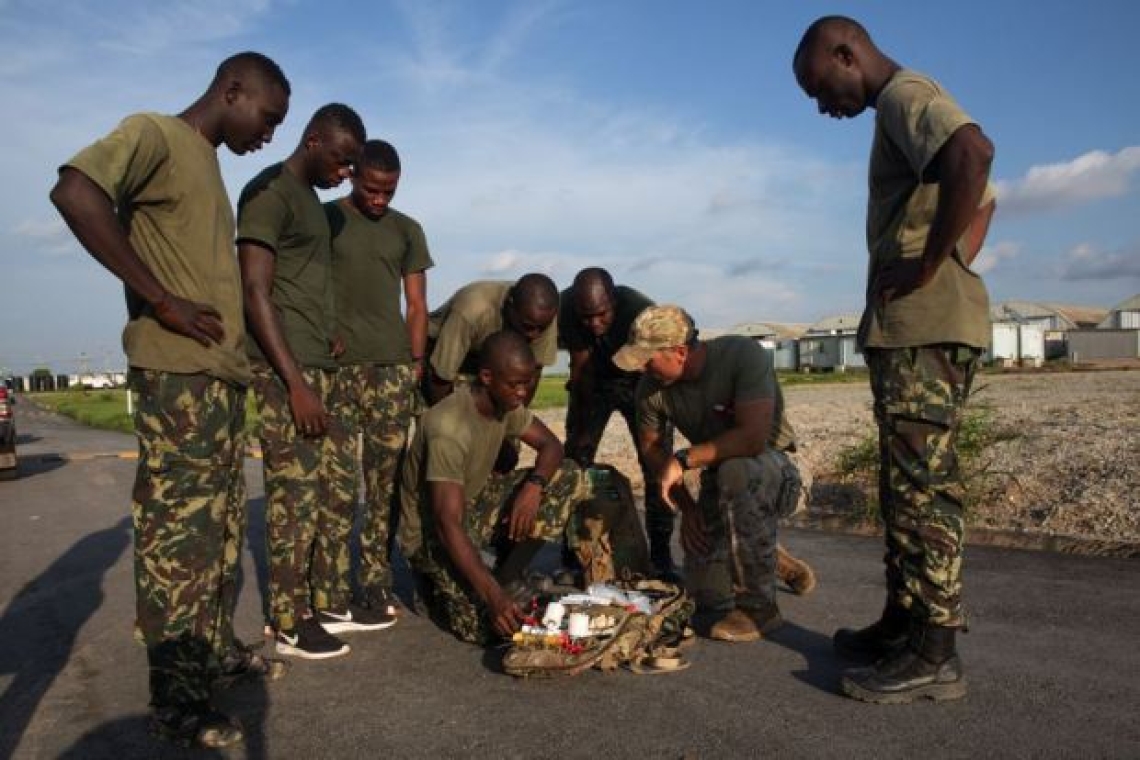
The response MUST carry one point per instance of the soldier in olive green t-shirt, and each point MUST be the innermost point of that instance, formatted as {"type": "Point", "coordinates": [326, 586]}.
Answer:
{"type": "Point", "coordinates": [378, 254]}
{"type": "Point", "coordinates": [723, 396]}
{"type": "Point", "coordinates": [284, 250]}
{"type": "Point", "coordinates": [458, 328]}
{"type": "Point", "coordinates": [453, 503]}
{"type": "Point", "coordinates": [148, 202]}
{"type": "Point", "coordinates": [923, 329]}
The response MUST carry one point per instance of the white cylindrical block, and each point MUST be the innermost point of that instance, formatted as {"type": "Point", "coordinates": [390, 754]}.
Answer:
{"type": "Point", "coordinates": [552, 618]}
{"type": "Point", "coordinates": [579, 625]}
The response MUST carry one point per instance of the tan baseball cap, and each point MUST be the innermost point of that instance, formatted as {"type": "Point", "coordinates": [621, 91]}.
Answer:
{"type": "Point", "coordinates": [656, 328]}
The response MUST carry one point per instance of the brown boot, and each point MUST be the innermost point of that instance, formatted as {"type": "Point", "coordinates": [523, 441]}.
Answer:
{"type": "Point", "coordinates": [735, 626]}
{"type": "Point", "coordinates": [767, 618]}
{"type": "Point", "coordinates": [794, 573]}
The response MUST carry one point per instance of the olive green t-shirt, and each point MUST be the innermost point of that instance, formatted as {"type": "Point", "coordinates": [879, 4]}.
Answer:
{"type": "Point", "coordinates": [282, 213]}
{"type": "Point", "coordinates": [455, 444]}
{"type": "Point", "coordinates": [914, 118]}
{"type": "Point", "coordinates": [164, 180]}
{"type": "Point", "coordinates": [468, 318]}
{"type": "Point", "coordinates": [737, 369]}
{"type": "Point", "coordinates": [370, 259]}
{"type": "Point", "coordinates": [574, 336]}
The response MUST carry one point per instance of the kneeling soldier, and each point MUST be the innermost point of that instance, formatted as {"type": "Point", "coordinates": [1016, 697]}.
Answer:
{"type": "Point", "coordinates": [453, 504]}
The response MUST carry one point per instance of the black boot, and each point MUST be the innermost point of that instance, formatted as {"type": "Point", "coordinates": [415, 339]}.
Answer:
{"type": "Point", "coordinates": [926, 668]}
{"type": "Point", "coordinates": [867, 645]}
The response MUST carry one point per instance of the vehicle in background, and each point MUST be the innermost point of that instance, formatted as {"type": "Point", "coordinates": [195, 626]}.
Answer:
{"type": "Point", "coordinates": [8, 464]}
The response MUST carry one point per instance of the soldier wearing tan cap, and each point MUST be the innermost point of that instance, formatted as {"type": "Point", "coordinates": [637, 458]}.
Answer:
{"type": "Point", "coordinates": [723, 396]}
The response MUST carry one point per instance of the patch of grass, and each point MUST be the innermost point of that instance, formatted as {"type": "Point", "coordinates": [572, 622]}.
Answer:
{"type": "Point", "coordinates": [107, 409]}
{"type": "Point", "coordinates": [979, 431]}
{"type": "Point", "coordinates": [791, 377]}
{"type": "Point", "coordinates": [551, 393]}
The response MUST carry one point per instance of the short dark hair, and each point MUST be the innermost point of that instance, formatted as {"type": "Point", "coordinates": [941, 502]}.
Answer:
{"type": "Point", "coordinates": [594, 278]}
{"type": "Point", "coordinates": [251, 61]}
{"type": "Point", "coordinates": [504, 348]}
{"type": "Point", "coordinates": [338, 116]}
{"type": "Point", "coordinates": [380, 155]}
{"type": "Point", "coordinates": [535, 291]}
{"type": "Point", "coordinates": [814, 32]}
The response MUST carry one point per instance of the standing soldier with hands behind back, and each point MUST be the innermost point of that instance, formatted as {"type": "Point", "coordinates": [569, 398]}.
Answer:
{"type": "Point", "coordinates": [923, 330]}
{"type": "Point", "coordinates": [148, 203]}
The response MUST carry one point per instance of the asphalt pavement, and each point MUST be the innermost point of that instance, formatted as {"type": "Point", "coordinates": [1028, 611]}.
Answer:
{"type": "Point", "coordinates": [1052, 657]}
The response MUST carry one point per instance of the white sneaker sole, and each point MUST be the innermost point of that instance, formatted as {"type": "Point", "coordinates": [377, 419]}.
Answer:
{"type": "Point", "coordinates": [348, 626]}
{"type": "Point", "coordinates": [289, 650]}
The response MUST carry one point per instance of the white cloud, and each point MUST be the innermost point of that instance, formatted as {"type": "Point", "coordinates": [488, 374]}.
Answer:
{"type": "Point", "coordinates": [991, 256]}
{"type": "Point", "coordinates": [1088, 262]}
{"type": "Point", "coordinates": [1093, 176]}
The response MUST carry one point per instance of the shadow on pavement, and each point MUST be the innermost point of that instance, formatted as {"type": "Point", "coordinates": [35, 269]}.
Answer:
{"type": "Point", "coordinates": [127, 739]}
{"type": "Point", "coordinates": [40, 625]}
{"type": "Point", "coordinates": [38, 464]}
{"type": "Point", "coordinates": [823, 667]}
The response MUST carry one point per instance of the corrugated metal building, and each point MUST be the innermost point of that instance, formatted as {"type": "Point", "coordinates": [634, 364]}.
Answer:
{"type": "Point", "coordinates": [1014, 344]}
{"type": "Point", "coordinates": [1088, 345]}
{"type": "Point", "coordinates": [830, 344]}
{"type": "Point", "coordinates": [1124, 316]}
{"type": "Point", "coordinates": [778, 337]}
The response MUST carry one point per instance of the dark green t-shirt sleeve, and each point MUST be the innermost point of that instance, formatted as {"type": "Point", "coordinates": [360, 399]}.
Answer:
{"type": "Point", "coordinates": [648, 405]}
{"type": "Point", "coordinates": [263, 215]}
{"type": "Point", "coordinates": [125, 159]}
{"type": "Point", "coordinates": [417, 257]}
{"type": "Point", "coordinates": [446, 456]}
{"type": "Point", "coordinates": [754, 375]}
{"type": "Point", "coordinates": [919, 119]}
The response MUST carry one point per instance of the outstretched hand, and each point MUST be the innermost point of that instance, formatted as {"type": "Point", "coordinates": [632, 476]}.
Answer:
{"type": "Point", "coordinates": [199, 321]}
{"type": "Point", "coordinates": [505, 613]}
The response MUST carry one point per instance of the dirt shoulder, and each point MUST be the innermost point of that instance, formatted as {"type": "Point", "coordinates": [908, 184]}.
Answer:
{"type": "Point", "coordinates": [1063, 462]}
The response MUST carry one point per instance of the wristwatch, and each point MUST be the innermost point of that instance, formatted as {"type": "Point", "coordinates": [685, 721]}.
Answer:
{"type": "Point", "coordinates": [682, 457]}
{"type": "Point", "coordinates": [539, 480]}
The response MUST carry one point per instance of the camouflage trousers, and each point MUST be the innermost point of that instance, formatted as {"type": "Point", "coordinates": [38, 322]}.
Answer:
{"type": "Point", "coordinates": [618, 396]}
{"type": "Point", "coordinates": [920, 395]}
{"type": "Point", "coordinates": [374, 404]}
{"type": "Point", "coordinates": [305, 517]}
{"type": "Point", "coordinates": [595, 536]}
{"type": "Point", "coordinates": [189, 518]}
{"type": "Point", "coordinates": [741, 502]}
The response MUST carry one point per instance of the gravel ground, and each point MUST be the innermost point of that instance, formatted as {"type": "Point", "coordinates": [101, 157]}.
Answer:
{"type": "Point", "coordinates": [1062, 462]}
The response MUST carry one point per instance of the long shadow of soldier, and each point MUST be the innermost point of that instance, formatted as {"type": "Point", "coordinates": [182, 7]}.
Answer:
{"type": "Point", "coordinates": [40, 625]}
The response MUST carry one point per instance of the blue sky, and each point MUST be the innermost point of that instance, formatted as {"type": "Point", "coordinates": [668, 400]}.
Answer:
{"type": "Point", "coordinates": [664, 140]}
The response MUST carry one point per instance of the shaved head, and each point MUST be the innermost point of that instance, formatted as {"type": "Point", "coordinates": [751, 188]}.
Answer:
{"type": "Point", "coordinates": [244, 66]}
{"type": "Point", "coordinates": [593, 285]}
{"type": "Point", "coordinates": [828, 31]}
{"type": "Point", "coordinates": [536, 292]}
{"type": "Point", "coordinates": [504, 350]}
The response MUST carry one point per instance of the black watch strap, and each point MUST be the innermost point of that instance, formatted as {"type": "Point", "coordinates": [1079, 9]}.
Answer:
{"type": "Point", "coordinates": [682, 457]}
{"type": "Point", "coordinates": [539, 480]}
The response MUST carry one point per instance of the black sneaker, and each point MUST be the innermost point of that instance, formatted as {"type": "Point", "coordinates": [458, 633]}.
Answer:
{"type": "Point", "coordinates": [355, 618]}
{"type": "Point", "coordinates": [196, 725]}
{"type": "Point", "coordinates": [310, 641]}
{"type": "Point", "coordinates": [380, 599]}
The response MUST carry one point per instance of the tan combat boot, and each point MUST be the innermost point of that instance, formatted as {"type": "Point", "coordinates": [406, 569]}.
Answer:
{"type": "Point", "coordinates": [794, 573]}
{"type": "Point", "coordinates": [735, 626]}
